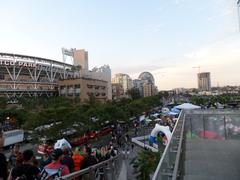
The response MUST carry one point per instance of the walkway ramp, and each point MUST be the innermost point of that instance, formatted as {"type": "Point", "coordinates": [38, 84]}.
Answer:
{"type": "Point", "coordinates": [207, 159]}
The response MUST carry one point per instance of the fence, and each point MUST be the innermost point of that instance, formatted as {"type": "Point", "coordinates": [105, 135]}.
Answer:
{"type": "Point", "coordinates": [106, 170]}
{"type": "Point", "coordinates": [210, 124]}
{"type": "Point", "coordinates": [169, 162]}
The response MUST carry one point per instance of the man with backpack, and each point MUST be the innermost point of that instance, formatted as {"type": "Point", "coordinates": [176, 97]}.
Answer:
{"type": "Point", "coordinates": [55, 169]}
{"type": "Point", "coordinates": [25, 170]}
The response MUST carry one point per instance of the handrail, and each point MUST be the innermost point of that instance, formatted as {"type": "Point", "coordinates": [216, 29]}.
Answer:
{"type": "Point", "coordinates": [107, 163]}
{"type": "Point", "coordinates": [155, 176]}
{"type": "Point", "coordinates": [175, 170]}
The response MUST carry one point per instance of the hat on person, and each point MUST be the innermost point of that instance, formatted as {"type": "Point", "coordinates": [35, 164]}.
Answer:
{"type": "Point", "coordinates": [56, 154]}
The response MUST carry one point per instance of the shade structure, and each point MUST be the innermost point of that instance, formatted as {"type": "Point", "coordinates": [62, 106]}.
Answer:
{"type": "Point", "coordinates": [175, 110]}
{"type": "Point", "coordinates": [187, 106]}
{"type": "Point", "coordinates": [172, 113]}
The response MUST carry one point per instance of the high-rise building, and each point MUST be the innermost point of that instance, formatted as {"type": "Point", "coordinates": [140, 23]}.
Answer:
{"type": "Point", "coordinates": [138, 84]}
{"type": "Point", "coordinates": [104, 73]}
{"type": "Point", "coordinates": [146, 77]}
{"type": "Point", "coordinates": [124, 80]}
{"type": "Point", "coordinates": [117, 91]}
{"type": "Point", "coordinates": [146, 84]}
{"type": "Point", "coordinates": [204, 81]}
{"type": "Point", "coordinates": [149, 90]}
{"type": "Point", "coordinates": [80, 58]}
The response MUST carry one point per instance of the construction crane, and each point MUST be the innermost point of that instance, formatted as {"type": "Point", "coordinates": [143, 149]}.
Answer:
{"type": "Point", "coordinates": [199, 67]}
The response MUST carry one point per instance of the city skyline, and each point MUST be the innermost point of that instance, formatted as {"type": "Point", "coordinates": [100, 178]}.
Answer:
{"type": "Point", "coordinates": [166, 37]}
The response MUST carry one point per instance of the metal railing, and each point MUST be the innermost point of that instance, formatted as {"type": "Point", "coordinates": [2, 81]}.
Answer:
{"type": "Point", "coordinates": [213, 124]}
{"type": "Point", "coordinates": [107, 170]}
{"type": "Point", "coordinates": [209, 124]}
{"type": "Point", "coordinates": [168, 165]}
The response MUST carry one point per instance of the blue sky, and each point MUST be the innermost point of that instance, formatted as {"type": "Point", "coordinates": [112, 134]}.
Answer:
{"type": "Point", "coordinates": [164, 37]}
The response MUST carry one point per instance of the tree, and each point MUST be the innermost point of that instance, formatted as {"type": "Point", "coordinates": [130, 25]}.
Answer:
{"type": "Point", "coordinates": [134, 93]}
{"type": "Point", "coordinates": [145, 164]}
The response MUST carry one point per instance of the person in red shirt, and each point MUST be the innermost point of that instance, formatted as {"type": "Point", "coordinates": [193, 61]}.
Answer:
{"type": "Point", "coordinates": [57, 156]}
{"type": "Point", "coordinates": [77, 159]}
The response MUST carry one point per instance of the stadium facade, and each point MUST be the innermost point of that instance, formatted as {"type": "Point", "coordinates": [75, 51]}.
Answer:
{"type": "Point", "coordinates": [22, 75]}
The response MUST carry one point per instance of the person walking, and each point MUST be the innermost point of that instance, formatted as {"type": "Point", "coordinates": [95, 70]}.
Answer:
{"type": "Point", "coordinates": [55, 169]}
{"type": "Point", "coordinates": [77, 159]}
{"type": "Point", "coordinates": [26, 170]}
{"type": "Point", "coordinates": [16, 157]}
{"type": "Point", "coordinates": [67, 159]}
{"type": "Point", "coordinates": [90, 159]}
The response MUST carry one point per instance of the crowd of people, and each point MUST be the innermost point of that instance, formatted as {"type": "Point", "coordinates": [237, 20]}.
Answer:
{"type": "Point", "coordinates": [59, 162]}
{"type": "Point", "coordinates": [63, 161]}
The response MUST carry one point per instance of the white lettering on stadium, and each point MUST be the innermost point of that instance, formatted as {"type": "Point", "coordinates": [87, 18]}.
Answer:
{"type": "Point", "coordinates": [29, 64]}
{"type": "Point", "coordinates": [17, 63]}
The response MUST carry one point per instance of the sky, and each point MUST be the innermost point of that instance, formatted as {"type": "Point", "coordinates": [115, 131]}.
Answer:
{"type": "Point", "coordinates": [165, 37]}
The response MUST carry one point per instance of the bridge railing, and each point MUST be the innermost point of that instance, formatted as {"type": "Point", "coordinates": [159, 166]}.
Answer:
{"type": "Point", "coordinates": [207, 124]}
{"type": "Point", "coordinates": [168, 165]}
{"type": "Point", "coordinates": [107, 170]}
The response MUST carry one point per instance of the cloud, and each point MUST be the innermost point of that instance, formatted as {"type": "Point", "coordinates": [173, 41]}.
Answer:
{"type": "Point", "coordinates": [221, 58]}
{"type": "Point", "coordinates": [136, 69]}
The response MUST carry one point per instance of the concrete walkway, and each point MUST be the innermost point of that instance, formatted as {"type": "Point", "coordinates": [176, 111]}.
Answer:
{"type": "Point", "coordinates": [127, 171]}
{"type": "Point", "coordinates": [212, 159]}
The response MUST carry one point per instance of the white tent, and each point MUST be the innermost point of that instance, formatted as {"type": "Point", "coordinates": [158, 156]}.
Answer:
{"type": "Point", "coordinates": [165, 110]}
{"type": "Point", "coordinates": [187, 106]}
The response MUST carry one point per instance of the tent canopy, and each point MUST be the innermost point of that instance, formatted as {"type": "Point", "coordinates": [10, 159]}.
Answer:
{"type": "Point", "coordinates": [172, 113]}
{"type": "Point", "coordinates": [187, 106]}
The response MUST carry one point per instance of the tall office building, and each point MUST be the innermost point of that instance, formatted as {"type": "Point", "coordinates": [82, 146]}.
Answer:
{"type": "Point", "coordinates": [204, 81]}
{"type": "Point", "coordinates": [80, 57]}
{"type": "Point", "coordinates": [138, 84]}
{"type": "Point", "coordinates": [124, 80]}
{"type": "Point", "coordinates": [149, 90]}
{"type": "Point", "coordinates": [104, 73]}
{"type": "Point", "coordinates": [147, 86]}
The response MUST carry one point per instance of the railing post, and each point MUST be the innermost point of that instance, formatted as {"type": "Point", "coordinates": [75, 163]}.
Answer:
{"type": "Point", "coordinates": [191, 126]}
{"type": "Point", "coordinates": [112, 170]}
{"type": "Point", "coordinates": [225, 128]}
{"type": "Point", "coordinates": [92, 173]}
{"type": "Point", "coordinates": [204, 128]}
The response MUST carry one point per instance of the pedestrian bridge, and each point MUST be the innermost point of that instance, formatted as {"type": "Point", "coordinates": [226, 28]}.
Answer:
{"type": "Point", "coordinates": [205, 146]}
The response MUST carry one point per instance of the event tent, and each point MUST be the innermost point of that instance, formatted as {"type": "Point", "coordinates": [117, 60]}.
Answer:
{"type": "Point", "coordinates": [187, 106]}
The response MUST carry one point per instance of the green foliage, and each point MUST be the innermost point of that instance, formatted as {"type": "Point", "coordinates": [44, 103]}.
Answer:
{"type": "Point", "coordinates": [40, 111]}
{"type": "Point", "coordinates": [211, 100]}
{"type": "Point", "coordinates": [134, 93]}
{"type": "Point", "coordinates": [145, 164]}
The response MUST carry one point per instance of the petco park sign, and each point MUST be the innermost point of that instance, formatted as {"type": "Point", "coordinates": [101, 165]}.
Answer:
{"type": "Point", "coordinates": [17, 63]}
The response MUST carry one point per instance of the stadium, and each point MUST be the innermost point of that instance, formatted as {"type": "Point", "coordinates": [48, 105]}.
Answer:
{"type": "Point", "coordinates": [22, 75]}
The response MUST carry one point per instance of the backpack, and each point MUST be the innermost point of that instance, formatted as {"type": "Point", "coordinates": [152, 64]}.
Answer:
{"type": "Point", "coordinates": [49, 174]}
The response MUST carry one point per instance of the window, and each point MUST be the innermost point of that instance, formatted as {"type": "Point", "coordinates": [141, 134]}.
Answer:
{"type": "Point", "coordinates": [77, 85]}
{"type": "Point", "coordinates": [89, 86]}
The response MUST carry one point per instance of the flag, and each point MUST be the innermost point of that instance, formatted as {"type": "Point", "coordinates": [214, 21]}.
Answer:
{"type": "Point", "coordinates": [238, 3]}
